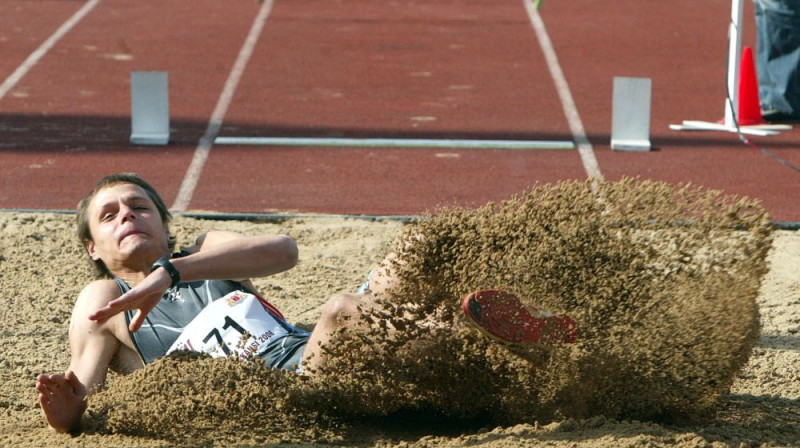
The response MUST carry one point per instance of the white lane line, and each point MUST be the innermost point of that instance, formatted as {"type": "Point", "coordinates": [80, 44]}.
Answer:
{"type": "Point", "coordinates": [570, 110]}
{"type": "Point", "coordinates": [39, 53]}
{"type": "Point", "coordinates": [395, 143]}
{"type": "Point", "coordinates": [192, 176]}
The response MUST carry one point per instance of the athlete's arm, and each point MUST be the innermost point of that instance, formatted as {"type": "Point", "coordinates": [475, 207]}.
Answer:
{"type": "Point", "coordinates": [233, 256]}
{"type": "Point", "coordinates": [223, 236]}
{"type": "Point", "coordinates": [216, 255]}
{"type": "Point", "coordinates": [92, 346]}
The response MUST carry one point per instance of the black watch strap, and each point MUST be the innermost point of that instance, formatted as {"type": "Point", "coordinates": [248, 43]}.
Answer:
{"type": "Point", "coordinates": [164, 262]}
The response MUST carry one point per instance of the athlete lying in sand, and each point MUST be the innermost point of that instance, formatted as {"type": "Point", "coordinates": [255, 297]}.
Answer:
{"type": "Point", "coordinates": [123, 225]}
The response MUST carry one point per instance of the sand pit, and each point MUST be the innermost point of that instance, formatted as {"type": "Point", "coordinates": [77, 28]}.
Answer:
{"type": "Point", "coordinates": [668, 287]}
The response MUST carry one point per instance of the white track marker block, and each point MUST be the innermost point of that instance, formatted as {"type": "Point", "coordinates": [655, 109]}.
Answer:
{"type": "Point", "coordinates": [149, 108]}
{"type": "Point", "coordinates": [630, 125]}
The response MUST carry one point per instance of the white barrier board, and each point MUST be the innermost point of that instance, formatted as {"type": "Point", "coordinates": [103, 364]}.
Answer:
{"type": "Point", "coordinates": [149, 108]}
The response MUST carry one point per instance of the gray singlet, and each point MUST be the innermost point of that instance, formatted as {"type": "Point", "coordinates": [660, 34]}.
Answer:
{"type": "Point", "coordinates": [178, 307]}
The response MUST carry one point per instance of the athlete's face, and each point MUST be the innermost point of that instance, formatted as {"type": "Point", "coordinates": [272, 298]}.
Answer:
{"type": "Point", "coordinates": [125, 226]}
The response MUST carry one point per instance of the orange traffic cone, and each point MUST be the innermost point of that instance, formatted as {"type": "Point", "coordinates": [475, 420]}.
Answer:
{"type": "Point", "coordinates": [749, 107]}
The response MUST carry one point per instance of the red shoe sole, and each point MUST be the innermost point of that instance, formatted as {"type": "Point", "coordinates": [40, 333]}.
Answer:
{"type": "Point", "coordinates": [502, 316]}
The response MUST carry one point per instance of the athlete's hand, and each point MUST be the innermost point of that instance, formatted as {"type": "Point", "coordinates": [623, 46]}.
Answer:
{"type": "Point", "coordinates": [142, 297]}
{"type": "Point", "coordinates": [63, 400]}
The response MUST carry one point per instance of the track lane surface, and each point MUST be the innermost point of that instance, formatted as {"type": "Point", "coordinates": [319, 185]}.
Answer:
{"type": "Point", "coordinates": [73, 124]}
{"type": "Point", "coordinates": [357, 68]}
{"type": "Point", "coordinates": [433, 69]}
{"type": "Point", "coordinates": [682, 46]}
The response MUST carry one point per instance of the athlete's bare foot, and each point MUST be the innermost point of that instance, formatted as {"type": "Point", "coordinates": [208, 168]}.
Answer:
{"type": "Point", "coordinates": [63, 400]}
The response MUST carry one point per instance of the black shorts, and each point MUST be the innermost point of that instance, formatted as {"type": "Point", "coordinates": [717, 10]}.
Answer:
{"type": "Point", "coordinates": [287, 352]}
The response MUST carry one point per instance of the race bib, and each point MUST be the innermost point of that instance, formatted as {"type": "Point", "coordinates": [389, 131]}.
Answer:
{"type": "Point", "coordinates": [235, 325]}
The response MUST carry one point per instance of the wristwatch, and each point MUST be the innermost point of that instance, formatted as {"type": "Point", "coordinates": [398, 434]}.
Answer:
{"type": "Point", "coordinates": [164, 262]}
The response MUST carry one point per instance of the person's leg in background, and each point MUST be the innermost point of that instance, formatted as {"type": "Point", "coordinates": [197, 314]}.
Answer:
{"type": "Point", "coordinates": [778, 59]}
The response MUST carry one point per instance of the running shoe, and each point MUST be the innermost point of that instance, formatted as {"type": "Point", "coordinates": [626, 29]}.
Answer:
{"type": "Point", "coordinates": [502, 316]}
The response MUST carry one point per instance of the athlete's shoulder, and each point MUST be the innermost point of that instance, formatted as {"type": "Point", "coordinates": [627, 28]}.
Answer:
{"type": "Point", "coordinates": [94, 296]}
{"type": "Point", "coordinates": [98, 293]}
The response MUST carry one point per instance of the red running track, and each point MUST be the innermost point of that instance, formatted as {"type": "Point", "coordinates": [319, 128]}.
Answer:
{"type": "Point", "coordinates": [467, 69]}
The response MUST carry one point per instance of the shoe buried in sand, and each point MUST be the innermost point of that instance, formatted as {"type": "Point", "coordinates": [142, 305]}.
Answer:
{"type": "Point", "coordinates": [502, 316]}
